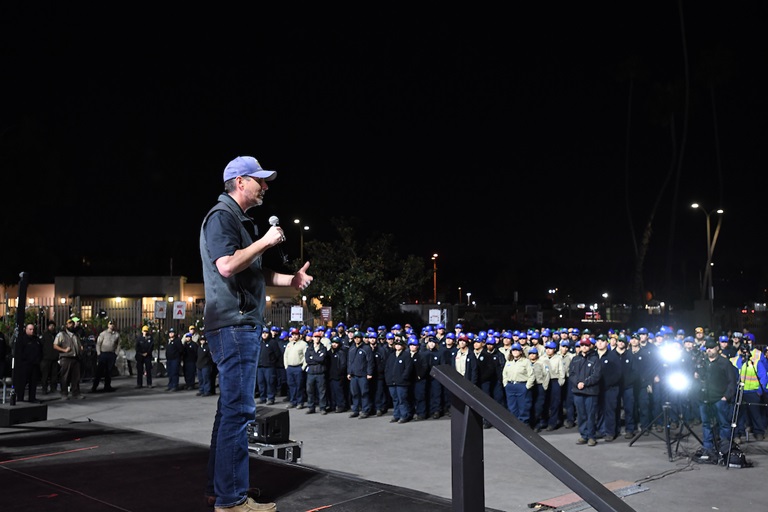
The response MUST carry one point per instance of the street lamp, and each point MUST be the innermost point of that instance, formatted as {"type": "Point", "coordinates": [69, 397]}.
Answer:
{"type": "Point", "coordinates": [434, 278]}
{"type": "Point", "coordinates": [302, 229]}
{"type": "Point", "coordinates": [459, 295]}
{"type": "Point", "coordinates": [707, 288]}
{"type": "Point", "coordinates": [469, 295]}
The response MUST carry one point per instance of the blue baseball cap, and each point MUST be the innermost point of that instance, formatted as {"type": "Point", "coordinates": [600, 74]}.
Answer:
{"type": "Point", "coordinates": [247, 166]}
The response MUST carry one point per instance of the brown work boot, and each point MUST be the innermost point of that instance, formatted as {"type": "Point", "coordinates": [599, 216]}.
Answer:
{"type": "Point", "coordinates": [252, 492]}
{"type": "Point", "coordinates": [249, 506]}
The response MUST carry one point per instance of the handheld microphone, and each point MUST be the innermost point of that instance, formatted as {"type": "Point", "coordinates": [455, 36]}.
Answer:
{"type": "Point", "coordinates": [274, 221]}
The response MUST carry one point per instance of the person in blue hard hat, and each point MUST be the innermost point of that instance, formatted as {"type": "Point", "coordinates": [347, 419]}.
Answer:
{"type": "Point", "coordinates": [554, 361]}
{"type": "Point", "coordinates": [434, 354]}
{"type": "Point", "coordinates": [518, 379]}
{"type": "Point", "coordinates": [377, 388]}
{"type": "Point", "coordinates": [608, 425]}
{"type": "Point", "coordinates": [337, 376]}
{"type": "Point", "coordinates": [270, 357]}
{"type": "Point", "coordinates": [440, 333]}
{"type": "Point", "coordinates": [584, 378]}
{"type": "Point", "coordinates": [399, 376]}
{"type": "Point", "coordinates": [418, 389]}
{"type": "Point", "coordinates": [627, 385]}
{"type": "Point", "coordinates": [316, 357]}
{"type": "Point", "coordinates": [490, 364]}
{"type": "Point", "coordinates": [360, 368]}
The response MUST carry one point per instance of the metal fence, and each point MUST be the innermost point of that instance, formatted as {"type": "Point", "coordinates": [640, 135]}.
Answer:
{"type": "Point", "coordinates": [129, 314]}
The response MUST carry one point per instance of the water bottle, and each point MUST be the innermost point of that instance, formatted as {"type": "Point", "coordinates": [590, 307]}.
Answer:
{"type": "Point", "coordinates": [13, 396]}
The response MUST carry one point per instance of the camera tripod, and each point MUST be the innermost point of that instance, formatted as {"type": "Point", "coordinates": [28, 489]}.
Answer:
{"type": "Point", "coordinates": [726, 455]}
{"type": "Point", "coordinates": [668, 436]}
{"type": "Point", "coordinates": [738, 401]}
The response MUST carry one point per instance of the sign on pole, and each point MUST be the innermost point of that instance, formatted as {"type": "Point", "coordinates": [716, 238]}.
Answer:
{"type": "Point", "coordinates": [435, 316]}
{"type": "Point", "coordinates": [179, 310]}
{"type": "Point", "coordinates": [297, 314]}
{"type": "Point", "coordinates": [160, 307]}
{"type": "Point", "coordinates": [326, 313]}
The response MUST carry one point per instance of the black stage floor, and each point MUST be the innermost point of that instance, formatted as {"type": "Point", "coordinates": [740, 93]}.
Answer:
{"type": "Point", "coordinates": [65, 466]}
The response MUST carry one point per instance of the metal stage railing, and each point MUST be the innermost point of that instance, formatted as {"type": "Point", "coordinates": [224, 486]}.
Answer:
{"type": "Point", "coordinates": [469, 405]}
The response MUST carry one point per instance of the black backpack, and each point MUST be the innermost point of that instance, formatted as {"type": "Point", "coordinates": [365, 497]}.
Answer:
{"type": "Point", "coordinates": [735, 458]}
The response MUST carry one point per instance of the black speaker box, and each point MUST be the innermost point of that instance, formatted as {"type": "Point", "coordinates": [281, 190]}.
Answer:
{"type": "Point", "coordinates": [271, 426]}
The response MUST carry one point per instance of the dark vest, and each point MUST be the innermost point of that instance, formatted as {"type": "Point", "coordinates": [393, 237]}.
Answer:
{"type": "Point", "coordinates": [240, 299]}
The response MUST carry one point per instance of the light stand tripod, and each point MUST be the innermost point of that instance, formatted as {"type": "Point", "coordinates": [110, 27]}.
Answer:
{"type": "Point", "coordinates": [679, 435]}
{"type": "Point", "coordinates": [673, 382]}
{"type": "Point", "coordinates": [726, 455]}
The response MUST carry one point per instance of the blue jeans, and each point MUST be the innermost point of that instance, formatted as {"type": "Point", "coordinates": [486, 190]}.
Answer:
{"type": "Point", "coordinates": [235, 351]}
{"type": "Point", "coordinates": [172, 366]}
{"type": "Point", "coordinates": [716, 416]}
{"type": "Point", "coordinates": [297, 384]}
{"type": "Point", "coordinates": [518, 400]}
{"type": "Point", "coordinates": [358, 391]}
{"type": "Point", "coordinates": [267, 377]}
{"type": "Point", "coordinates": [204, 378]}
{"type": "Point", "coordinates": [401, 408]}
{"type": "Point", "coordinates": [586, 414]}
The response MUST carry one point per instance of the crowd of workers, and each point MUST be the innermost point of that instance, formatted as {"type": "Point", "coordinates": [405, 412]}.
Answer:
{"type": "Point", "coordinates": [620, 382]}
{"type": "Point", "coordinates": [609, 384]}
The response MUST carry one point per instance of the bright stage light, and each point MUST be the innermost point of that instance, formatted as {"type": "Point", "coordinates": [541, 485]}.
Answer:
{"type": "Point", "coordinates": [671, 352]}
{"type": "Point", "coordinates": [678, 381]}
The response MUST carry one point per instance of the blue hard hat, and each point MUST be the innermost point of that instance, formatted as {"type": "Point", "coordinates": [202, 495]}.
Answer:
{"type": "Point", "coordinates": [533, 350]}
{"type": "Point", "coordinates": [458, 326]}
{"type": "Point", "coordinates": [550, 344]}
{"type": "Point", "coordinates": [723, 339]}
{"type": "Point", "coordinates": [516, 346]}
{"type": "Point", "coordinates": [382, 328]}
{"type": "Point", "coordinates": [565, 343]}
{"type": "Point", "coordinates": [396, 327]}
{"type": "Point", "coordinates": [490, 340]}
{"type": "Point", "coordinates": [440, 326]}
{"type": "Point", "coordinates": [450, 335]}
{"type": "Point", "coordinates": [389, 336]}
{"type": "Point", "coordinates": [642, 330]}
{"type": "Point", "coordinates": [413, 340]}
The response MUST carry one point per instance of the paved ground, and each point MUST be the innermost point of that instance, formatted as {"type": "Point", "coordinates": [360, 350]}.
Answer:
{"type": "Point", "coordinates": [417, 455]}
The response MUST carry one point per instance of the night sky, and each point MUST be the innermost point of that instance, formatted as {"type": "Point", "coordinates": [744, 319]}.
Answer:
{"type": "Point", "coordinates": [520, 145]}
